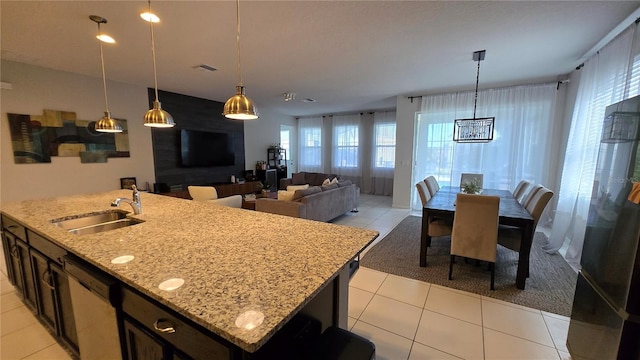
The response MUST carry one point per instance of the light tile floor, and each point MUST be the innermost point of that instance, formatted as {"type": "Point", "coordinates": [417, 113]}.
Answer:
{"type": "Point", "coordinates": [410, 319]}
{"type": "Point", "coordinates": [405, 318]}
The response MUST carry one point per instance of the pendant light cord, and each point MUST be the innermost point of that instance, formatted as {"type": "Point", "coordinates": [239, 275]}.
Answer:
{"type": "Point", "coordinates": [238, 41]}
{"type": "Point", "coordinates": [104, 78]}
{"type": "Point", "coordinates": [153, 54]}
{"type": "Point", "coordinates": [475, 100]}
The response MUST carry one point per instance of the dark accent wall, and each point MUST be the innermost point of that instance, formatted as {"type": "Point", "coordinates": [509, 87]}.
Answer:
{"type": "Point", "coordinates": [193, 114]}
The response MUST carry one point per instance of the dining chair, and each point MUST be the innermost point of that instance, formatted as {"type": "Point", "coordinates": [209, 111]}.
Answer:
{"type": "Point", "coordinates": [533, 190]}
{"type": "Point", "coordinates": [521, 189]}
{"type": "Point", "coordinates": [437, 227]}
{"type": "Point", "coordinates": [511, 237]}
{"type": "Point", "coordinates": [475, 230]}
{"type": "Point", "coordinates": [469, 177]}
{"type": "Point", "coordinates": [202, 193]}
{"type": "Point", "coordinates": [432, 185]}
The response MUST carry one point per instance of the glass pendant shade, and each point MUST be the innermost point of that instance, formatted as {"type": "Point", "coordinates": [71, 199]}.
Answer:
{"type": "Point", "coordinates": [107, 124]}
{"type": "Point", "coordinates": [157, 117]}
{"type": "Point", "coordinates": [240, 107]}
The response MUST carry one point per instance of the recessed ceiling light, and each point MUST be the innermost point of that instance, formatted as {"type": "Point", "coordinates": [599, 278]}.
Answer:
{"type": "Point", "coordinates": [205, 67]}
{"type": "Point", "coordinates": [308, 100]}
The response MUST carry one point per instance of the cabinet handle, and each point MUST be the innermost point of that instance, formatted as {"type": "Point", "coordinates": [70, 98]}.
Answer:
{"type": "Point", "coordinates": [14, 252]}
{"type": "Point", "coordinates": [46, 280]}
{"type": "Point", "coordinates": [167, 330]}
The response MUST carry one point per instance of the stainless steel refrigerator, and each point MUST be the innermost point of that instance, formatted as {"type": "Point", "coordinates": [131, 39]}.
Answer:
{"type": "Point", "coordinates": [605, 319]}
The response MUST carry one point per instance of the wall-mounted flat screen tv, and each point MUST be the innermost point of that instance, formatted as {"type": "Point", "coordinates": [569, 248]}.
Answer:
{"type": "Point", "coordinates": [204, 148]}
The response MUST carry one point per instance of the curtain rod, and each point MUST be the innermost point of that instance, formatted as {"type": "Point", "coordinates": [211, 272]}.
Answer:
{"type": "Point", "coordinates": [502, 87]}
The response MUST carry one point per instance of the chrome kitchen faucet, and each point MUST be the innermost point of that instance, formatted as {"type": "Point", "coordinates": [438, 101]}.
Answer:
{"type": "Point", "coordinates": [135, 203]}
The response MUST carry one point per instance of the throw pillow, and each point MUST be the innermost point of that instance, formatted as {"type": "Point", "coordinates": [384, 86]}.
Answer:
{"type": "Point", "coordinates": [297, 187]}
{"type": "Point", "coordinates": [297, 178]}
{"type": "Point", "coordinates": [329, 187]}
{"type": "Point", "coordinates": [299, 194]}
{"type": "Point", "coordinates": [285, 195]}
{"type": "Point", "coordinates": [326, 182]}
{"type": "Point", "coordinates": [344, 183]}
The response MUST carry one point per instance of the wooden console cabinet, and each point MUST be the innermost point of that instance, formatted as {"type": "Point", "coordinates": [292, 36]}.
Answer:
{"type": "Point", "coordinates": [223, 190]}
{"type": "Point", "coordinates": [249, 187]}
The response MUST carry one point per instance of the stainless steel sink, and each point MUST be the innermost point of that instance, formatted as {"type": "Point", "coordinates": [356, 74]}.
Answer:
{"type": "Point", "coordinates": [95, 222]}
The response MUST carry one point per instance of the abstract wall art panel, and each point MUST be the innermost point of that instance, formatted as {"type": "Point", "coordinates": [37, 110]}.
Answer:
{"type": "Point", "coordinates": [36, 138]}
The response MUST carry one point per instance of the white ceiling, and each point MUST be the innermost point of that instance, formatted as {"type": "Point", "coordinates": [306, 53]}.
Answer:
{"type": "Point", "coordinates": [347, 55]}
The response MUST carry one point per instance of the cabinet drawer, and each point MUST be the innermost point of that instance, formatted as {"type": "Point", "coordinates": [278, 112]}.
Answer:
{"type": "Point", "coordinates": [186, 338]}
{"type": "Point", "coordinates": [14, 227]}
{"type": "Point", "coordinates": [46, 247]}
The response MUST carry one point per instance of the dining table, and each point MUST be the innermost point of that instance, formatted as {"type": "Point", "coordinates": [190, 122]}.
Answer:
{"type": "Point", "coordinates": [511, 213]}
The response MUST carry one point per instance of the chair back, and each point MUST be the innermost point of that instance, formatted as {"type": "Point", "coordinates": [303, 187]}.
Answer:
{"type": "Point", "coordinates": [533, 190]}
{"type": "Point", "coordinates": [202, 193]}
{"type": "Point", "coordinates": [475, 227]}
{"type": "Point", "coordinates": [538, 203]}
{"type": "Point", "coordinates": [423, 191]}
{"type": "Point", "coordinates": [469, 177]}
{"type": "Point", "coordinates": [521, 189]}
{"type": "Point", "coordinates": [432, 185]}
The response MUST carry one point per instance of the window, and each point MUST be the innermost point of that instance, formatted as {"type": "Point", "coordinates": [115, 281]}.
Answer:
{"type": "Point", "coordinates": [384, 138]}
{"type": "Point", "coordinates": [346, 146]}
{"type": "Point", "coordinates": [310, 150]}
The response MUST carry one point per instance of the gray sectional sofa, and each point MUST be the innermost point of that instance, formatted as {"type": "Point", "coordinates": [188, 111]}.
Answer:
{"type": "Point", "coordinates": [321, 203]}
{"type": "Point", "coordinates": [303, 177]}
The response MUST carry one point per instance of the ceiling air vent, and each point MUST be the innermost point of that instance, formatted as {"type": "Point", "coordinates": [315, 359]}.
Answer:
{"type": "Point", "coordinates": [205, 67]}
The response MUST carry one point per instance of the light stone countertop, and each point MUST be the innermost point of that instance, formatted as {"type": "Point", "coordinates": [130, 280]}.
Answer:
{"type": "Point", "coordinates": [232, 260]}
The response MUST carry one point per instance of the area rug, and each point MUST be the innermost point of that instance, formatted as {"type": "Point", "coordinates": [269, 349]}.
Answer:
{"type": "Point", "coordinates": [550, 286]}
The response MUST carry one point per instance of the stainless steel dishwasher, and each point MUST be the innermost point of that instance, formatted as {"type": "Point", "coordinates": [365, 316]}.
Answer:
{"type": "Point", "coordinates": [93, 295]}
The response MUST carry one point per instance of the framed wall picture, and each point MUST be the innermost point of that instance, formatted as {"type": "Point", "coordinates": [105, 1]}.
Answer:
{"type": "Point", "coordinates": [125, 183]}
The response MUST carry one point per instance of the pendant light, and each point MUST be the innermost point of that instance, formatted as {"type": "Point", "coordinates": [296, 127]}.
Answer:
{"type": "Point", "coordinates": [155, 117]}
{"type": "Point", "coordinates": [106, 123]}
{"type": "Point", "coordinates": [239, 106]}
{"type": "Point", "coordinates": [475, 130]}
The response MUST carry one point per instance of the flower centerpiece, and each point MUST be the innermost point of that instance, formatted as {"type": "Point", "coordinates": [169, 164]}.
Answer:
{"type": "Point", "coordinates": [471, 187]}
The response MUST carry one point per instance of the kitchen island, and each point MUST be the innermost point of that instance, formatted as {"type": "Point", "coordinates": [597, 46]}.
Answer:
{"type": "Point", "coordinates": [233, 262]}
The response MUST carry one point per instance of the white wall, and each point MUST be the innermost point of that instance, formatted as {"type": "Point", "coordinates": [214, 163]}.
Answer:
{"type": "Point", "coordinates": [36, 89]}
{"type": "Point", "coordinates": [260, 133]}
{"type": "Point", "coordinates": [405, 126]}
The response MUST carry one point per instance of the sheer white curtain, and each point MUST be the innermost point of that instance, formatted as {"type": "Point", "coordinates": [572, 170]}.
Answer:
{"type": "Point", "coordinates": [346, 157]}
{"type": "Point", "coordinates": [383, 152]}
{"type": "Point", "coordinates": [310, 144]}
{"type": "Point", "coordinates": [607, 77]}
{"type": "Point", "coordinates": [521, 148]}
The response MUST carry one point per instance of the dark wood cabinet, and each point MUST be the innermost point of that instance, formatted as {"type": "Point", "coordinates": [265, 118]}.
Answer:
{"type": "Point", "coordinates": [223, 190]}
{"type": "Point", "coordinates": [36, 267]}
{"type": "Point", "coordinates": [13, 261]}
{"type": "Point", "coordinates": [152, 331]}
{"type": "Point", "coordinates": [52, 289]}
{"type": "Point", "coordinates": [140, 344]}
{"type": "Point", "coordinates": [249, 187]}
{"type": "Point", "coordinates": [44, 290]}
{"type": "Point", "coordinates": [18, 262]}
{"type": "Point", "coordinates": [64, 308]}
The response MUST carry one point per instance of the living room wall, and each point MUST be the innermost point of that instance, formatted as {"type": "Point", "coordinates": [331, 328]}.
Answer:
{"type": "Point", "coordinates": [35, 89]}
{"type": "Point", "coordinates": [192, 113]}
